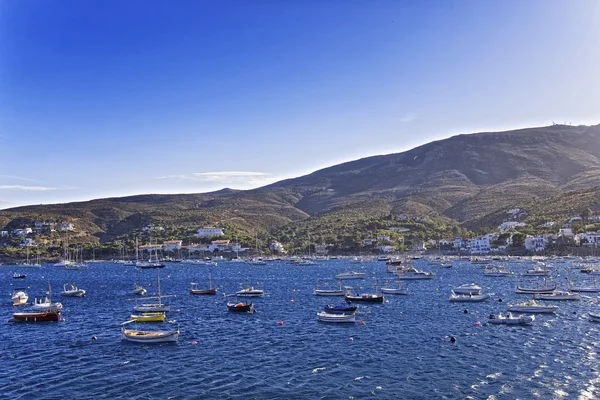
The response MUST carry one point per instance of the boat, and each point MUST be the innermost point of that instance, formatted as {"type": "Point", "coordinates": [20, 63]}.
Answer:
{"type": "Point", "coordinates": [336, 318]}
{"type": "Point", "coordinates": [37, 315]}
{"type": "Point", "coordinates": [395, 290]}
{"type": "Point", "coordinates": [341, 309]}
{"type": "Point", "coordinates": [153, 307]}
{"type": "Point", "coordinates": [351, 275]}
{"type": "Point", "coordinates": [537, 290]}
{"type": "Point", "coordinates": [584, 289]}
{"type": "Point", "coordinates": [149, 265]}
{"type": "Point", "coordinates": [139, 290]}
{"type": "Point", "coordinates": [71, 290]}
{"type": "Point", "coordinates": [212, 290]}
{"type": "Point", "coordinates": [240, 307]}
{"type": "Point", "coordinates": [532, 307]}
{"type": "Point", "coordinates": [134, 335]}
{"type": "Point", "coordinates": [19, 276]}
{"type": "Point", "coordinates": [250, 292]}
{"type": "Point", "coordinates": [464, 298]}
{"type": "Point", "coordinates": [148, 317]}
{"type": "Point", "coordinates": [467, 288]}
{"type": "Point", "coordinates": [557, 295]}
{"type": "Point", "coordinates": [363, 298]}
{"type": "Point", "coordinates": [329, 292]}
{"type": "Point", "coordinates": [19, 297]}
{"type": "Point", "coordinates": [44, 303]}
{"type": "Point", "coordinates": [493, 270]}
{"type": "Point", "coordinates": [413, 274]}
{"type": "Point", "coordinates": [509, 319]}
{"type": "Point", "coordinates": [594, 317]}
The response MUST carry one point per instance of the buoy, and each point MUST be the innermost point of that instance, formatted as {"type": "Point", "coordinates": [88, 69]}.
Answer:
{"type": "Point", "coordinates": [500, 300]}
{"type": "Point", "coordinates": [594, 300]}
{"type": "Point", "coordinates": [387, 302]}
{"type": "Point", "coordinates": [94, 338]}
{"type": "Point", "coordinates": [194, 342]}
{"type": "Point", "coordinates": [62, 319]}
{"type": "Point", "coordinates": [361, 322]}
{"type": "Point", "coordinates": [452, 339]}
{"type": "Point", "coordinates": [574, 312]}
{"type": "Point", "coordinates": [466, 311]}
{"type": "Point", "coordinates": [477, 323]}
{"type": "Point", "coordinates": [562, 344]}
{"type": "Point", "coordinates": [292, 300]}
{"type": "Point", "coordinates": [280, 322]}
{"type": "Point", "coordinates": [177, 310]}
{"type": "Point", "coordinates": [351, 338]}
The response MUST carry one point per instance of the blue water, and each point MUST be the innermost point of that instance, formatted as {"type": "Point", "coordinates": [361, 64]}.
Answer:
{"type": "Point", "coordinates": [401, 351]}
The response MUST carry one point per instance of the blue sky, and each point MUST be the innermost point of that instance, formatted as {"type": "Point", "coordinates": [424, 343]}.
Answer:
{"type": "Point", "coordinates": [112, 98]}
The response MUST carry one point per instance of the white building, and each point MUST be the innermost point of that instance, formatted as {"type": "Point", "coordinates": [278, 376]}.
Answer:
{"type": "Point", "coordinates": [3, 233]}
{"type": "Point", "coordinates": [153, 228]}
{"type": "Point", "coordinates": [276, 247]}
{"type": "Point", "coordinates": [209, 231]}
{"type": "Point", "coordinates": [513, 212]}
{"type": "Point", "coordinates": [66, 226]}
{"type": "Point", "coordinates": [383, 238]}
{"type": "Point", "coordinates": [387, 249]}
{"type": "Point", "coordinates": [220, 245]}
{"type": "Point", "coordinates": [505, 226]}
{"type": "Point", "coordinates": [27, 242]}
{"type": "Point", "coordinates": [172, 245]}
{"type": "Point", "coordinates": [22, 232]}
{"type": "Point", "coordinates": [535, 243]}
{"type": "Point", "coordinates": [321, 249]}
{"type": "Point", "coordinates": [479, 245]}
{"type": "Point", "coordinates": [589, 239]}
{"type": "Point", "coordinates": [548, 224]}
{"type": "Point", "coordinates": [566, 232]}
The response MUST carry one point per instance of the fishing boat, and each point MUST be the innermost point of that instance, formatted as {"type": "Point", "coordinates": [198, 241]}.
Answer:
{"type": "Point", "coordinates": [399, 290]}
{"type": "Point", "coordinates": [537, 290]}
{"type": "Point", "coordinates": [19, 276]}
{"type": "Point", "coordinates": [336, 318]}
{"type": "Point", "coordinates": [493, 270]}
{"type": "Point", "coordinates": [212, 290]}
{"type": "Point", "coordinates": [139, 290]}
{"type": "Point", "coordinates": [19, 297]}
{"type": "Point", "coordinates": [364, 298]}
{"type": "Point", "coordinates": [509, 319]}
{"type": "Point", "coordinates": [583, 289]}
{"type": "Point", "coordinates": [51, 314]}
{"type": "Point", "coordinates": [557, 295]}
{"type": "Point", "coordinates": [351, 275]}
{"type": "Point", "coordinates": [468, 298]}
{"type": "Point", "coordinates": [153, 307]}
{"type": "Point", "coordinates": [134, 335]}
{"type": "Point", "coordinates": [467, 288]}
{"type": "Point", "coordinates": [70, 290]}
{"type": "Point", "coordinates": [341, 309]}
{"type": "Point", "coordinates": [329, 292]}
{"type": "Point", "coordinates": [532, 307]}
{"type": "Point", "coordinates": [240, 307]}
{"type": "Point", "coordinates": [148, 317]}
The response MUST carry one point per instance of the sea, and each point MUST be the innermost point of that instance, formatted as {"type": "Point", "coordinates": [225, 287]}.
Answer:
{"type": "Point", "coordinates": [401, 349]}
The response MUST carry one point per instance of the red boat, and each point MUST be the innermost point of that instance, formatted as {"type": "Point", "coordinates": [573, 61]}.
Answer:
{"type": "Point", "coordinates": [37, 316]}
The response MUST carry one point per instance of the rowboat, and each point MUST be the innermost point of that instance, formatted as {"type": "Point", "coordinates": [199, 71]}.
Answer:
{"type": "Point", "coordinates": [557, 295]}
{"type": "Point", "coordinates": [341, 309]}
{"type": "Point", "coordinates": [148, 317]}
{"type": "Point", "coordinates": [532, 307]}
{"type": "Point", "coordinates": [351, 275]}
{"type": "Point", "coordinates": [240, 307]}
{"type": "Point", "coordinates": [336, 318]}
{"type": "Point", "coordinates": [364, 298]}
{"type": "Point", "coordinates": [212, 290]}
{"type": "Point", "coordinates": [594, 317]}
{"type": "Point", "coordinates": [134, 335]}
{"type": "Point", "coordinates": [544, 289]}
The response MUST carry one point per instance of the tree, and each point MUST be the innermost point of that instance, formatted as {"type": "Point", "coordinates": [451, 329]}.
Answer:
{"type": "Point", "coordinates": [586, 214]}
{"type": "Point", "coordinates": [518, 239]}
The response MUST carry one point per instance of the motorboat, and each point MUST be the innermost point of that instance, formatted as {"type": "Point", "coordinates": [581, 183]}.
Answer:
{"type": "Point", "coordinates": [536, 290]}
{"type": "Point", "coordinates": [148, 317]}
{"type": "Point", "coordinates": [400, 290]}
{"type": "Point", "coordinates": [413, 274]}
{"type": "Point", "coordinates": [341, 309]}
{"type": "Point", "coordinates": [532, 307]}
{"type": "Point", "coordinates": [134, 335]}
{"type": "Point", "coordinates": [510, 319]}
{"type": "Point", "coordinates": [336, 318]}
{"type": "Point", "coordinates": [536, 271]}
{"type": "Point", "coordinates": [494, 270]}
{"type": "Point", "coordinates": [256, 261]}
{"type": "Point", "coordinates": [70, 290]}
{"type": "Point", "coordinates": [594, 317]}
{"type": "Point", "coordinates": [51, 314]}
{"type": "Point", "coordinates": [19, 276]}
{"type": "Point", "coordinates": [139, 290]}
{"type": "Point", "coordinates": [149, 265]}
{"type": "Point", "coordinates": [19, 297]}
{"type": "Point", "coordinates": [467, 288]}
{"type": "Point", "coordinates": [240, 307]}
{"type": "Point", "coordinates": [351, 275]}
{"type": "Point", "coordinates": [42, 303]}
{"type": "Point", "coordinates": [466, 298]}
{"type": "Point", "coordinates": [557, 295]}
{"type": "Point", "coordinates": [364, 298]}
{"type": "Point", "coordinates": [250, 292]}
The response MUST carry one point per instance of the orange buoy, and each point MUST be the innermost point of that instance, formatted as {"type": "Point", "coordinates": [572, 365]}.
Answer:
{"type": "Point", "coordinates": [280, 322]}
{"type": "Point", "coordinates": [292, 300]}
{"type": "Point", "coordinates": [477, 323]}
{"type": "Point", "coordinates": [361, 322]}
{"type": "Point", "coordinates": [194, 342]}
{"type": "Point", "coordinates": [351, 338]}
{"type": "Point", "coordinates": [387, 302]}
{"type": "Point", "coordinates": [62, 319]}
{"type": "Point", "coordinates": [177, 310]}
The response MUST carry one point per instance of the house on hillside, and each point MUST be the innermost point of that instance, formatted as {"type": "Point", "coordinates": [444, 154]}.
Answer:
{"type": "Point", "coordinates": [219, 245]}
{"type": "Point", "coordinates": [276, 247]}
{"type": "Point", "coordinates": [508, 225]}
{"type": "Point", "coordinates": [535, 243]}
{"type": "Point", "coordinates": [387, 249]}
{"type": "Point", "coordinates": [66, 226]}
{"type": "Point", "coordinates": [383, 238]}
{"type": "Point", "coordinates": [589, 239]}
{"type": "Point", "coordinates": [321, 249]}
{"type": "Point", "coordinates": [210, 231]}
{"type": "Point", "coordinates": [150, 247]}
{"type": "Point", "coordinates": [479, 245]}
{"type": "Point", "coordinates": [172, 245]}
{"type": "Point", "coordinates": [22, 232]}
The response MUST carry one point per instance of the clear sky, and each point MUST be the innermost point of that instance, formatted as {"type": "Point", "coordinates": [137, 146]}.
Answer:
{"type": "Point", "coordinates": [111, 98]}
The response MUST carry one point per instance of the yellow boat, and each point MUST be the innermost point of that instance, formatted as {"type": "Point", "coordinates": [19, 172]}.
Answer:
{"type": "Point", "coordinates": [148, 317]}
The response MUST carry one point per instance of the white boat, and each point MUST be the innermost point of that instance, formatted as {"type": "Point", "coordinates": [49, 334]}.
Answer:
{"type": "Point", "coordinates": [250, 292]}
{"type": "Point", "coordinates": [356, 260]}
{"type": "Point", "coordinates": [71, 290]}
{"type": "Point", "coordinates": [594, 317]}
{"type": "Point", "coordinates": [139, 290]}
{"type": "Point", "coordinates": [537, 271]}
{"type": "Point", "coordinates": [395, 290]}
{"type": "Point", "coordinates": [467, 288]}
{"type": "Point", "coordinates": [256, 261]}
{"type": "Point", "coordinates": [153, 307]}
{"type": "Point", "coordinates": [19, 298]}
{"type": "Point", "coordinates": [532, 307]}
{"type": "Point", "coordinates": [468, 298]}
{"type": "Point", "coordinates": [492, 270]}
{"type": "Point", "coordinates": [536, 290]}
{"type": "Point", "coordinates": [413, 274]}
{"type": "Point", "coordinates": [329, 292]}
{"type": "Point", "coordinates": [557, 295]}
{"type": "Point", "coordinates": [509, 319]}
{"type": "Point", "coordinates": [351, 275]}
{"type": "Point", "coordinates": [336, 318]}
{"type": "Point", "coordinates": [134, 335]}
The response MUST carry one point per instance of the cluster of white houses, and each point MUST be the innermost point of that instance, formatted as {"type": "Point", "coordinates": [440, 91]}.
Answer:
{"type": "Point", "coordinates": [39, 228]}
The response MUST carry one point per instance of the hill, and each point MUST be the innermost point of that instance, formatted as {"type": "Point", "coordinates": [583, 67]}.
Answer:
{"type": "Point", "coordinates": [462, 180]}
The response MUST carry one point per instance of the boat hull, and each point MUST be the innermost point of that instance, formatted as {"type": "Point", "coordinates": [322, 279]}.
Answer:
{"type": "Point", "coordinates": [324, 292]}
{"type": "Point", "coordinates": [402, 291]}
{"type": "Point", "coordinates": [41, 316]}
{"type": "Point", "coordinates": [468, 299]}
{"type": "Point", "coordinates": [367, 298]}
{"type": "Point", "coordinates": [149, 317]}
{"type": "Point", "coordinates": [336, 318]}
{"type": "Point", "coordinates": [150, 336]}
{"type": "Point", "coordinates": [210, 292]}
{"type": "Point", "coordinates": [521, 320]}
{"type": "Point", "coordinates": [240, 307]}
